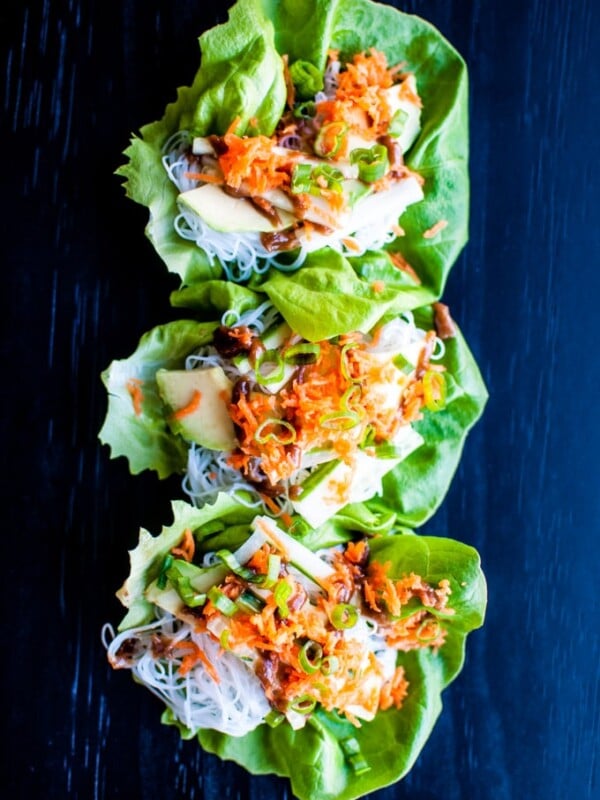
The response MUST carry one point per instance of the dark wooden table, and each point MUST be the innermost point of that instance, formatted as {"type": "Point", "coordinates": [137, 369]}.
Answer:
{"type": "Point", "coordinates": [80, 284]}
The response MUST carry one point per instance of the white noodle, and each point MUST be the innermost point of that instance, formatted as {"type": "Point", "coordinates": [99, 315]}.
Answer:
{"type": "Point", "coordinates": [234, 705]}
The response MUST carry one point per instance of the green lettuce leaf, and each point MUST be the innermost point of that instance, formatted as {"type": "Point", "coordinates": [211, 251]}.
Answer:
{"type": "Point", "coordinates": [312, 757]}
{"type": "Point", "coordinates": [142, 434]}
{"type": "Point", "coordinates": [303, 28]}
{"type": "Point", "coordinates": [327, 297]}
{"type": "Point", "coordinates": [412, 491]}
{"type": "Point", "coordinates": [240, 76]}
{"type": "Point", "coordinates": [216, 296]}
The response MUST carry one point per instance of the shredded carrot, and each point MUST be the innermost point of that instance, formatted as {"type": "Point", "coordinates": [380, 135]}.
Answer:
{"type": "Point", "coordinates": [134, 388]}
{"type": "Point", "coordinates": [345, 390]}
{"type": "Point", "coordinates": [186, 547]}
{"type": "Point", "coordinates": [435, 229]}
{"type": "Point", "coordinates": [260, 560]}
{"type": "Point", "coordinates": [394, 691]}
{"type": "Point", "coordinates": [357, 686]}
{"type": "Point", "coordinates": [272, 505]}
{"type": "Point", "coordinates": [402, 264]}
{"type": "Point", "coordinates": [253, 161]}
{"type": "Point", "coordinates": [351, 244]}
{"type": "Point", "coordinates": [194, 655]}
{"type": "Point", "coordinates": [188, 409]}
{"type": "Point", "coordinates": [357, 551]}
{"type": "Point", "coordinates": [359, 100]}
{"type": "Point", "coordinates": [233, 126]}
{"type": "Point", "coordinates": [204, 176]}
{"type": "Point", "coordinates": [378, 287]}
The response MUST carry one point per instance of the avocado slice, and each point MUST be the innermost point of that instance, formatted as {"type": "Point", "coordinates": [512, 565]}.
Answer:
{"type": "Point", "coordinates": [228, 214]}
{"type": "Point", "coordinates": [209, 424]}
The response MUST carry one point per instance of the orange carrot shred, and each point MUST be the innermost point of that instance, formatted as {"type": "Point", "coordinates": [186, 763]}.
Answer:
{"type": "Point", "coordinates": [234, 125]}
{"type": "Point", "coordinates": [192, 406]}
{"type": "Point", "coordinates": [272, 506]}
{"type": "Point", "coordinates": [203, 176]}
{"type": "Point", "coordinates": [435, 229]}
{"type": "Point", "coordinates": [134, 387]}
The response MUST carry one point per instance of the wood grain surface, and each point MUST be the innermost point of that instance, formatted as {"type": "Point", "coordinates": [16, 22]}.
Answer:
{"type": "Point", "coordinates": [80, 283]}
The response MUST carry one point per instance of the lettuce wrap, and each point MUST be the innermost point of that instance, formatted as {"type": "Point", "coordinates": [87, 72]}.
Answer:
{"type": "Point", "coordinates": [305, 414]}
{"type": "Point", "coordinates": [247, 106]}
{"type": "Point", "coordinates": [323, 667]}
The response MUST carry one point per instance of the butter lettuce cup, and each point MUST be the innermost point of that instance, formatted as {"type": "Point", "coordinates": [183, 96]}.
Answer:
{"type": "Point", "coordinates": [320, 659]}
{"type": "Point", "coordinates": [310, 125]}
{"type": "Point", "coordinates": [304, 404]}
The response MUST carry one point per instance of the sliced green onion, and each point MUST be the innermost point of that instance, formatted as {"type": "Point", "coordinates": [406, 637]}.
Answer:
{"type": "Point", "coordinates": [330, 139]}
{"type": "Point", "coordinates": [224, 639]}
{"type": "Point", "coordinates": [352, 395]}
{"type": "Point", "coordinates": [161, 581]}
{"type": "Point", "coordinates": [344, 361]}
{"type": "Point", "coordinates": [233, 565]}
{"type": "Point", "coordinates": [183, 587]}
{"type": "Point", "coordinates": [434, 390]}
{"type": "Point", "coordinates": [340, 420]}
{"type": "Point", "coordinates": [274, 718]}
{"type": "Point", "coordinates": [281, 431]}
{"type": "Point", "coordinates": [303, 353]}
{"type": "Point", "coordinates": [351, 749]}
{"type": "Point", "coordinates": [301, 179]}
{"type": "Point", "coordinates": [372, 162]}
{"type": "Point", "coordinates": [397, 123]}
{"type": "Point", "coordinates": [310, 657]}
{"type": "Point", "coordinates": [282, 594]}
{"type": "Point", "coordinates": [273, 567]}
{"type": "Point", "coordinates": [306, 110]}
{"type": "Point", "coordinates": [272, 361]}
{"type": "Point", "coordinates": [333, 178]}
{"type": "Point", "coordinates": [344, 616]}
{"type": "Point", "coordinates": [221, 602]}
{"type": "Point", "coordinates": [330, 665]}
{"type": "Point", "coordinates": [403, 364]}
{"type": "Point", "coordinates": [250, 602]}
{"type": "Point", "coordinates": [350, 746]}
{"type": "Point", "coordinates": [307, 79]}
{"type": "Point", "coordinates": [303, 704]}
{"type": "Point", "coordinates": [369, 438]}
{"type": "Point", "coordinates": [387, 451]}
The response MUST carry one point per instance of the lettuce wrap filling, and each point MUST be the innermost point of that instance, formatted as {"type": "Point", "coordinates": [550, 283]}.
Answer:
{"type": "Point", "coordinates": [251, 638]}
{"type": "Point", "coordinates": [332, 174]}
{"type": "Point", "coordinates": [351, 134]}
{"type": "Point", "coordinates": [297, 426]}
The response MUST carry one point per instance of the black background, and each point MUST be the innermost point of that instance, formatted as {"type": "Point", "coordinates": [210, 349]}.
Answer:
{"type": "Point", "coordinates": [80, 283]}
